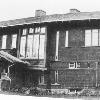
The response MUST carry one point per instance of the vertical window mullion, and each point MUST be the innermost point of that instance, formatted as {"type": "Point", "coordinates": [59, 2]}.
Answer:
{"type": "Point", "coordinates": [32, 42]}
{"type": "Point", "coordinates": [26, 42]}
{"type": "Point", "coordinates": [98, 37]}
{"type": "Point", "coordinates": [39, 45]}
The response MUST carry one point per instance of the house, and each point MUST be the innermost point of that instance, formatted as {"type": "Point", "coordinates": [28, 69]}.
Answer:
{"type": "Point", "coordinates": [63, 49]}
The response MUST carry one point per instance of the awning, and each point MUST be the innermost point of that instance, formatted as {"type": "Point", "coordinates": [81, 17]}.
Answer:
{"type": "Point", "coordinates": [11, 58]}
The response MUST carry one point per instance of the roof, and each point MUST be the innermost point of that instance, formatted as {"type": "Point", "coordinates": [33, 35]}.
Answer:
{"type": "Point", "coordinates": [52, 18]}
{"type": "Point", "coordinates": [10, 58]}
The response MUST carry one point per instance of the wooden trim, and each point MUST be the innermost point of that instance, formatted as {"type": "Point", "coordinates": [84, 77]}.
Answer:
{"type": "Point", "coordinates": [18, 43]}
{"type": "Point", "coordinates": [45, 47]}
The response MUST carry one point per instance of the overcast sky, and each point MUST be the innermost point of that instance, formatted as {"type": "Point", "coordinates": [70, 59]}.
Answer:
{"type": "Point", "coordinates": [14, 9]}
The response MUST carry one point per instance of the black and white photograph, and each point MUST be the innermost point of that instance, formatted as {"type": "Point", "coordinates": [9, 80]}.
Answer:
{"type": "Point", "coordinates": [50, 49]}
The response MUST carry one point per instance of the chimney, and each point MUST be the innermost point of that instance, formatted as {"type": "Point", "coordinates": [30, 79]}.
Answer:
{"type": "Point", "coordinates": [39, 13]}
{"type": "Point", "coordinates": [74, 11]}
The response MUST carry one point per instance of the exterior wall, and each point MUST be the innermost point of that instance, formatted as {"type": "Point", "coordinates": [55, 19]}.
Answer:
{"type": "Point", "coordinates": [86, 75]}
{"type": "Point", "coordinates": [76, 51]}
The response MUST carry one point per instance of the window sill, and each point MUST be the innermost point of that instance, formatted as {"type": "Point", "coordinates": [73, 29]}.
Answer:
{"type": "Point", "coordinates": [55, 84]}
{"type": "Point", "coordinates": [42, 84]}
{"type": "Point", "coordinates": [74, 68]}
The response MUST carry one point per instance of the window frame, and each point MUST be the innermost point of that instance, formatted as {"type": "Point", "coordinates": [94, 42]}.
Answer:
{"type": "Point", "coordinates": [66, 38]}
{"type": "Point", "coordinates": [56, 76]}
{"type": "Point", "coordinates": [91, 43]}
{"type": "Point", "coordinates": [12, 41]}
{"type": "Point", "coordinates": [4, 47]}
{"type": "Point", "coordinates": [36, 31]}
{"type": "Point", "coordinates": [41, 79]}
{"type": "Point", "coordinates": [76, 65]}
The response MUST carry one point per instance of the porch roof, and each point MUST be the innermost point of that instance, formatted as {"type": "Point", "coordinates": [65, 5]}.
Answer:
{"type": "Point", "coordinates": [11, 58]}
{"type": "Point", "coordinates": [52, 18]}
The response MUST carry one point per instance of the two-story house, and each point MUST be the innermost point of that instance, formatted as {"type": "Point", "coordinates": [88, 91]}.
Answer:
{"type": "Point", "coordinates": [63, 49]}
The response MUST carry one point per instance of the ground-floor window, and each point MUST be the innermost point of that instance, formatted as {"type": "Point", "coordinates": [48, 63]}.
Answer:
{"type": "Point", "coordinates": [74, 65]}
{"type": "Point", "coordinates": [56, 76]}
{"type": "Point", "coordinates": [41, 79]}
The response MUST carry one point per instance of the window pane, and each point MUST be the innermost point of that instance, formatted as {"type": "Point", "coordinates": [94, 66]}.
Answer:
{"type": "Point", "coordinates": [66, 39]}
{"type": "Point", "coordinates": [99, 37]}
{"type": "Point", "coordinates": [57, 45]}
{"type": "Point", "coordinates": [22, 46]}
{"type": "Point", "coordinates": [41, 79]}
{"type": "Point", "coordinates": [43, 29]}
{"type": "Point", "coordinates": [71, 65]}
{"type": "Point", "coordinates": [37, 29]}
{"type": "Point", "coordinates": [94, 37]}
{"type": "Point", "coordinates": [87, 37]}
{"type": "Point", "coordinates": [41, 48]}
{"type": "Point", "coordinates": [4, 39]}
{"type": "Point", "coordinates": [31, 30]}
{"type": "Point", "coordinates": [56, 76]}
{"type": "Point", "coordinates": [24, 32]}
{"type": "Point", "coordinates": [14, 39]}
{"type": "Point", "coordinates": [35, 46]}
{"type": "Point", "coordinates": [29, 45]}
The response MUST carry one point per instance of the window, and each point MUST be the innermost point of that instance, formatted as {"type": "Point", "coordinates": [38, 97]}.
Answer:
{"type": "Point", "coordinates": [4, 39]}
{"type": "Point", "coordinates": [92, 37]}
{"type": "Point", "coordinates": [14, 40]}
{"type": "Point", "coordinates": [31, 30]}
{"type": "Point", "coordinates": [37, 29]}
{"type": "Point", "coordinates": [57, 45]}
{"type": "Point", "coordinates": [23, 43]}
{"type": "Point", "coordinates": [29, 46]}
{"type": "Point", "coordinates": [36, 46]}
{"type": "Point", "coordinates": [66, 39]}
{"type": "Point", "coordinates": [33, 43]}
{"type": "Point", "coordinates": [24, 32]}
{"type": "Point", "coordinates": [56, 76]}
{"type": "Point", "coordinates": [43, 29]}
{"type": "Point", "coordinates": [41, 79]}
{"type": "Point", "coordinates": [74, 65]}
{"type": "Point", "coordinates": [41, 47]}
{"type": "Point", "coordinates": [22, 46]}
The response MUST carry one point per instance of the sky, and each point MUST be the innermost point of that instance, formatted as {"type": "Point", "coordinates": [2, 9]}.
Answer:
{"type": "Point", "coordinates": [16, 9]}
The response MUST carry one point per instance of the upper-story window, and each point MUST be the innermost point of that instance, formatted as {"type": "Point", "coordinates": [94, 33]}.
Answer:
{"type": "Point", "coordinates": [23, 43]}
{"type": "Point", "coordinates": [33, 43]}
{"type": "Point", "coordinates": [66, 39]}
{"type": "Point", "coordinates": [14, 40]}
{"type": "Point", "coordinates": [4, 39]}
{"type": "Point", "coordinates": [92, 37]}
{"type": "Point", "coordinates": [57, 46]}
